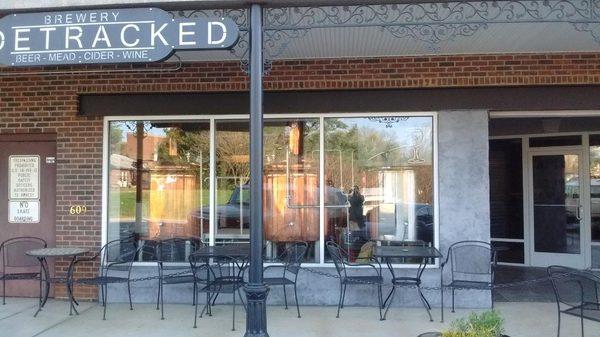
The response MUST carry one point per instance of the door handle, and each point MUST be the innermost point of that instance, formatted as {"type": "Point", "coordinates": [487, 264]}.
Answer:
{"type": "Point", "coordinates": [578, 213]}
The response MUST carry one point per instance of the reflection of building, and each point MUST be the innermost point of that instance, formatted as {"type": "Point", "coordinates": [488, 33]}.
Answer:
{"type": "Point", "coordinates": [173, 191]}
{"type": "Point", "coordinates": [149, 146]}
{"type": "Point", "coordinates": [290, 205]}
{"type": "Point", "coordinates": [122, 172]}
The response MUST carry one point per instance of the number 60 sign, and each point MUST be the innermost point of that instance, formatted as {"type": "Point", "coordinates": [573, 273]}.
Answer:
{"type": "Point", "coordinates": [77, 210]}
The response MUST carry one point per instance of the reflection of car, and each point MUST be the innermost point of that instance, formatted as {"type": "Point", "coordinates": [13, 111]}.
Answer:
{"type": "Point", "coordinates": [386, 216]}
{"type": "Point", "coordinates": [228, 215]}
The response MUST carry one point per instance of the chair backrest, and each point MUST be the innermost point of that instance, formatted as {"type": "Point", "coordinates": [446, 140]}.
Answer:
{"type": "Point", "coordinates": [337, 255]}
{"type": "Point", "coordinates": [13, 251]}
{"type": "Point", "coordinates": [120, 252]}
{"type": "Point", "coordinates": [149, 250]}
{"type": "Point", "coordinates": [175, 249]}
{"type": "Point", "coordinates": [572, 286]}
{"type": "Point", "coordinates": [472, 260]}
{"type": "Point", "coordinates": [294, 256]}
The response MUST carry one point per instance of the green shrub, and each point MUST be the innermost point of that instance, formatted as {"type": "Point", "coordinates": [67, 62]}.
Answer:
{"type": "Point", "coordinates": [486, 324]}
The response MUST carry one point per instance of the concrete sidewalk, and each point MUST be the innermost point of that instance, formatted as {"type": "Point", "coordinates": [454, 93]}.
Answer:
{"type": "Point", "coordinates": [16, 320]}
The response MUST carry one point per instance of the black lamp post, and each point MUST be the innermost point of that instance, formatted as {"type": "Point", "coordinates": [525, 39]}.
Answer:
{"type": "Point", "coordinates": [256, 291]}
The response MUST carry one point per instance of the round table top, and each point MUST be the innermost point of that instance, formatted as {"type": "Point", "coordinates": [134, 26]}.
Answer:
{"type": "Point", "coordinates": [57, 251]}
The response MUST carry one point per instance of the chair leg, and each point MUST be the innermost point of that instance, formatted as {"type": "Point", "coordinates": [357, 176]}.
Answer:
{"type": "Point", "coordinates": [4, 290]}
{"type": "Point", "coordinates": [296, 297]}
{"type": "Point", "coordinates": [105, 302]}
{"type": "Point", "coordinates": [195, 314]}
{"type": "Point", "coordinates": [233, 316]}
{"type": "Point", "coordinates": [453, 300]}
{"type": "Point", "coordinates": [129, 293]}
{"type": "Point", "coordinates": [339, 301]}
{"type": "Point", "coordinates": [102, 293]}
{"type": "Point", "coordinates": [581, 318]}
{"type": "Point", "coordinates": [216, 295]}
{"type": "Point", "coordinates": [285, 297]}
{"type": "Point", "coordinates": [344, 295]}
{"type": "Point", "coordinates": [242, 299]}
{"type": "Point", "coordinates": [194, 294]}
{"type": "Point", "coordinates": [158, 294]}
{"type": "Point", "coordinates": [442, 302]}
{"type": "Point", "coordinates": [558, 330]}
{"type": "Point", "coordinates": [162, 302]}
{"type": "Point", "coordinates": [380, 298]}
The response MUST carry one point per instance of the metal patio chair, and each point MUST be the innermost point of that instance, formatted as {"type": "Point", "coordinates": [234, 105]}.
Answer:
{"type": "Point", "coordinates": [175, 250]}
{"type": "Point", "coordinates": [472, 265]}
{"type": "Point", "coordinates": [576, 294]}
{"type": "Point", "coordinates": [292, 259]}
{"type": "Point", "coordinates": [15, 262]}
{"type": "Point", "coordinates": [340, 260]}
{"type": "Point", "coordinates": [220, 275]}
{"type": "Point", "coordinates": [116, 255]}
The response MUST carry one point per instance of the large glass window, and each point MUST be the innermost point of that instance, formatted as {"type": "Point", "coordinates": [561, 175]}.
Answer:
{"type": "Point", "coordinates": [379, 176]}
{"type": "Point", "coordinates": [158, 181]}
{"type": "Point", "coordinates": [290, 179]}
{"type": "Point", "coordinates": [506, 188]}
{"type": "Point", "coordinates": [595, 186]}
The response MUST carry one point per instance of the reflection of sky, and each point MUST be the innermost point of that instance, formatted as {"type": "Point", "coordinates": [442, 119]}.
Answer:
{"type": "Point", "coordinates": [129, 127]}
{"type": "Point", "coordinates": [402, 131]}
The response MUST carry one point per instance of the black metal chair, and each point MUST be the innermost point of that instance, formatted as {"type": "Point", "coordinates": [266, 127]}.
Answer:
{"type": "Point", "coordinates": [174, 250]}
{"type": "Point", "coordinates": [407, 281]}
{"type": "Point", "coordinates": [340, 260]}
{"type": "Point", "coordinates": [472, 265]}
{"type": "Point", "coordinates": [220, 275]}
{"type": "Point", "coordinates": [116, 255]}
{"type": "Point", "coordinates": [15, 261]}
{"type": "Point", "coordinates": [292, 259]}
{"type": "Point", "coordinates": [576, 294]}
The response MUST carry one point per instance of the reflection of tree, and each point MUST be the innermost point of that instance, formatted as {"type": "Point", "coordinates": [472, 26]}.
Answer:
{"type": "Point", "coordinates": [355, 155]}
{"type": "Point", "coordinates": [183, 147]}
{"type": "Point", "coordinates": [116, 137]}
{"type": "Point", "coordinates": [232, 154]}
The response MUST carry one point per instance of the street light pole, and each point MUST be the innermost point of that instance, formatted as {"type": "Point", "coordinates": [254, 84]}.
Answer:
{"type": "Point", "coordinates": [256, 291]}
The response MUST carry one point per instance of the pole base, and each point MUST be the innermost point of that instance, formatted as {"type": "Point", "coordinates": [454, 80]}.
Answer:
{"type": "Point", "coordinates": [256, 314]}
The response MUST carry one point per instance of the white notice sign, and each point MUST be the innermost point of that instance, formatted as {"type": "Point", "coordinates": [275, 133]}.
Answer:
{"type": "Point", "coordinates": [24, 177]}
{"type": "Point", "coordinates": [24, 211]}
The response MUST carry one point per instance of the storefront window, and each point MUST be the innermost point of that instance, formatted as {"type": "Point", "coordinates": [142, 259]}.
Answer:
{"type": "Point", "coordinates": [290, 180]}
{"type": "Point", "coordinates": [595, 186]}
{"type": "Point", "coordinates": [158, 182]}
{"type": "Point", "coordinates": [379, 176]}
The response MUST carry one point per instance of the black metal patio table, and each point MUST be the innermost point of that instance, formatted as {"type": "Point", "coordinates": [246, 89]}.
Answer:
{"type": "Point", "coordinates": [42, 255]}
{"type": "Point", "coordinates": [228, 253]}
{"type": "Point", "coordinates": [423, 254]}
{"type": "Point", "coordinates": [239, 251]}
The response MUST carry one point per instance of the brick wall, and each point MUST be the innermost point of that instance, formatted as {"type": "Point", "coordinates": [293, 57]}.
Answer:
{"type": "Point", "coordinates": [33, 103]}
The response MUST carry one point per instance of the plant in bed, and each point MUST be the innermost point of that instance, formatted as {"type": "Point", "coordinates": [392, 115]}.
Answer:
{"type": "Point", "coordinates": [486, 324]}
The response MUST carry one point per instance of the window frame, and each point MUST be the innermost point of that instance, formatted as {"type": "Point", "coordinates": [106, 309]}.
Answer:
{"type": "Point", "coordinates": [212, 118]}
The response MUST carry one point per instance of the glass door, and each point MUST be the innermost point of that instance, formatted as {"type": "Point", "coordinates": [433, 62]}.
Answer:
{"type": "Point", "coordinates": [557, 208]}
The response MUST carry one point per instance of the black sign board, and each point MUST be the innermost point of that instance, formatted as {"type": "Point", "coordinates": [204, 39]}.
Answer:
{"type": "Point", "coordinates": [107, 36]}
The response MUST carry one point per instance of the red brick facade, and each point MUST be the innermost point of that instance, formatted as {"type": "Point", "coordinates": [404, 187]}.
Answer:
{"type": "Point", "coordinates": [34, 103]}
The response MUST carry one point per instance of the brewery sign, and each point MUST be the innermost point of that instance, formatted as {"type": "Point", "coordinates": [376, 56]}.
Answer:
{"type": "Point", "coordinates": [128, 35]}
